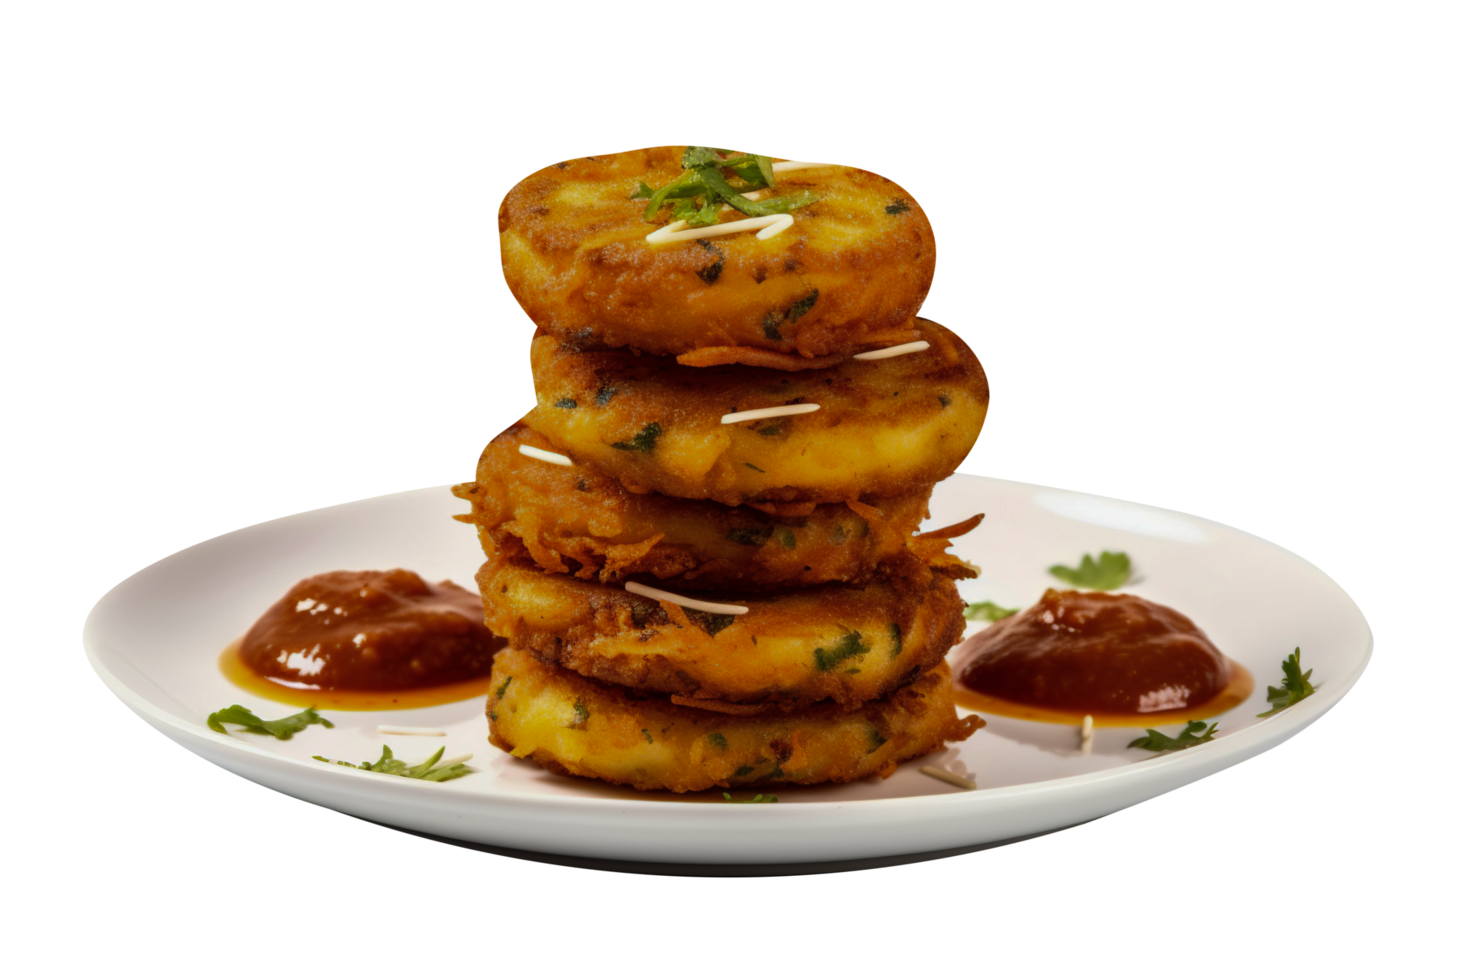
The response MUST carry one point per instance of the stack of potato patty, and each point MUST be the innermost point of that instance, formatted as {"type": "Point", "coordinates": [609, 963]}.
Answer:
{"type": "Point", "coordinates": [703, 542]}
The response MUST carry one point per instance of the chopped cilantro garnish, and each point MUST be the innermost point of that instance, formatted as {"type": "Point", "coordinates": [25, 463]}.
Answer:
{"type": "Point", "coordinates": [648, 735]}
{"type": "Point", "coordinates": [580, 715]}
{"type": "Point", "coordinates": [988, 611]}
{"type": "Point", "coordinates": [744, 771]}
{"type": "Point", "coordinates": [281, 728]}
{"type": "Point", "coordinates": [895, 633]}
{"type": "Point", "coordinates": [1193, 734]}
{"type": "Point", "coordinates": [755, 467]}
{"type": "Point", "coordinates": [695, 196]}
{"type": "Point", "coordinates": [644, 440]}
{"type": "Point", "coordinates": [604, 395]}
{"type": "Point", "coordinates": [851, 645]}
{"type": "Point", "coordinates": [899, 206]}
{"type": "Point", "coordinates": [1295, 686]}
{"type": "Point", "coordinates": [718, 741]}
{"type": "Point", "coordinates": [786, 537]}
{"type": "Point", "coordinates": [500, 691]}
{"type": "Point", "coordinates": [757, 798]}
{"type": "Point", "coordinates": [1109, 571]}
{"type": "Point", "coordinates": [397, 767]}
{"type": "Point", "coordinates": [565, 403]}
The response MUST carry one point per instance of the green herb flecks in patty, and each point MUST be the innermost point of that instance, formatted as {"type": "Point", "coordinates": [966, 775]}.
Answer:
{"type": "Point", "coordinates": [754, 536]}
{"type": "Point", "coordinates": [802, 306]}
{"type": "Point", "coordinates": [711, 623]}
{"type": "Point", "coordinates": [710, 273]}
{"type": "Point", "coordinates": [644, 441]}
{"type": "Point", "coordinates": [849, 646]}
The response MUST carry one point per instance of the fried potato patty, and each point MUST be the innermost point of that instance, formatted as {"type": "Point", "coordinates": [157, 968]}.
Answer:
{"type": "Point", "coordinates": [573, 519]}
{"type": "Point", "coordinates": [848, 276]}
{"type": "Point", "coordinates": [578, 727]}
{"type": "Point", "coordinates": [884, 428]}
{"type": "Point", "coordinates": [847, 643]}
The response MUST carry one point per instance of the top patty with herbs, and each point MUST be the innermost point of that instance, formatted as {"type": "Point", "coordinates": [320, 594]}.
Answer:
{"type": "Point", "coordinates": [848, 275]}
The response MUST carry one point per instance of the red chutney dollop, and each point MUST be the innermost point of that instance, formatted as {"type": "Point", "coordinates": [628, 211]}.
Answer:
{"type": "Point", "coordinates": [371, 631]}
{"type": "Point", "coordinates": [1096, 652]}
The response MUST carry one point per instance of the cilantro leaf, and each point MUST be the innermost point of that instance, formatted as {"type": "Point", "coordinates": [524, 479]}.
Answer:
{"type": "Point", "coordinates": [757, 798]}
{"type": "Point", "coordinates": [988, 611]}
{"type": "Point", "coordinates": [428, 770]}
{"type": "Point", "coordinates": [1109, 571]}
{"type": "Point", "coordinates": [1194, 734]}
{"type": "Point", "coordinates": [281, 728]}
{"type": "Point", "coordinates": [1295, 686]}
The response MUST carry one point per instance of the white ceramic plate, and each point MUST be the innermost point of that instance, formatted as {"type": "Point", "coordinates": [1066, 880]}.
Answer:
{"type": "Point", "coordinates": [155, 640]}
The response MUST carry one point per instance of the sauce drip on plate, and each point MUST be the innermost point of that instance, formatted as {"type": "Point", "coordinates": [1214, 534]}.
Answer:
{"type": "Point", "coordinates": [1119, 658]}
{"type": "Point", "coordinates": [367, 640]}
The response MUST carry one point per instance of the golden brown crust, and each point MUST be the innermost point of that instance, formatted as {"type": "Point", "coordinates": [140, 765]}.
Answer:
{"type": "Point", "coordinates": [574, 726]}
{"type": "Point", "coordinates": [849, 275]}
{"type": "Point", "coordinates": [847, 643]}
{"type": "Point", "coordinates": [574, 520]}
{"type": "Point", "coordinates": [885, 428]}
